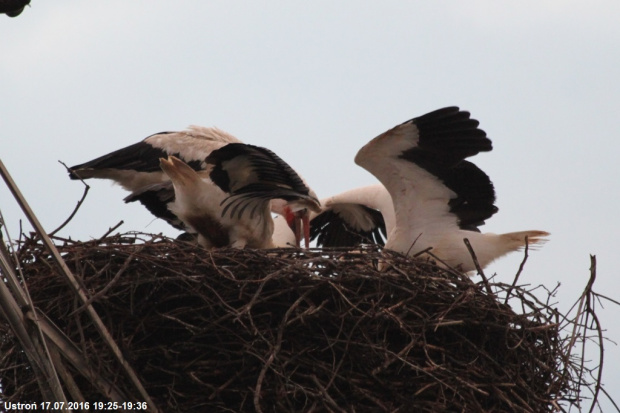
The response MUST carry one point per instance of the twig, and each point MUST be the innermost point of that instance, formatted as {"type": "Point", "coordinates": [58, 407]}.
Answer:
{"type": "Point", "coordinates": [413, 243]}
{"type": "Point", "coordinates": [12, 307]}
{"type": "Point", "coordinates": [77, 207]}
{"type": "Point", "coordinates": [478, 268]}
{"type": "Point", "coordinates": [599, 330]}
{"type": "Point", "coordinates": [611, 400]}
{"type": "Point", "coordinates": [582, 301]}
{"type": "Point", "coordinates": [514, 282]}
{"type": "Point", "coordinates": [76, 286]}
{"type": "Point", "coordinates": [274, 351]}
{"type": "Point", "coordinates": [109, 285]}
{"type": "Point", "coordinates": [34, 349]}
{"type": "Point", "coordinates": [110, 230]}
{"type": "Point", "coordinates": [232, 324]}
{"type": "Point", "coordinates": [60, 343]}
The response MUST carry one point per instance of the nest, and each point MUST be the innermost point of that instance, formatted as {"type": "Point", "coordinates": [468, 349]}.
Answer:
{"type": "Point", "coordinates": [294, 330]}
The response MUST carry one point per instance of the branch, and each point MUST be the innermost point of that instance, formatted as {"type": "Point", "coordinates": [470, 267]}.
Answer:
{"type": "Point", "coordinates": [478, 267]}
{"type": "Point", "coordinates": [77, 207]}
{"type": "Point", "coordinates": [514, 283]}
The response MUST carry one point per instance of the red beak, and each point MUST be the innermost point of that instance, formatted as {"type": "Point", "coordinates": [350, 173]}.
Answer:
{"type": "Point", "coordinates": [297, 229]}
{"type": "Point", "coordinates": [305, 220]}
{"type": "Point", "coordinates": [299, 222]}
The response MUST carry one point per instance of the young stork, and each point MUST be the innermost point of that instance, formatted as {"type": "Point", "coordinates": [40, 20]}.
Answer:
{"type": "Point", "coordinates": [229, 204]}
{"type": "Point", "coordinates": [356, 216]}
{"type": "Point", "coordinates": [137, 169]}
{"type": "Point", "coordinates": [440, 198]}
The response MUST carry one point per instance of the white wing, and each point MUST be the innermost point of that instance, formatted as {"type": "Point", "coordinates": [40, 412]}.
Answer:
{"type": "Point", "coordinates": [434, 191]}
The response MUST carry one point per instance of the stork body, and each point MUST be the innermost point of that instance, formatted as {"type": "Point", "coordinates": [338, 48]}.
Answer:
{"type": "Point", "coordinates": [229, 204]}
{"type": "Point", "coordinates": [136, 167]}
{"type": "Point", "coordinates": [257, 178]}
{"type": "Point", "coordinates": [439, 198]}
{"type": "Point", "coordinates": [198, 204]}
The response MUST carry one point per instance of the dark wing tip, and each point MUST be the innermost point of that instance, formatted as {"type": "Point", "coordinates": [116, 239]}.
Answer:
{"type": "Point", "coordinates": [475, 195]}
{"type": "Point", "coordinates": [258, 176]}
{"type": "Point", "coordinates": [155, 199]}
{"type": "Point", "coordinates": [72, 173]}
{"type": "Point", "coordinates": [216, 158]}
{"type": "Point", "coordinates": [141, 157]}
{"type": "Point", "coordinates": [268, 167]}
{"type": "Point", "coordinates": [446, 137]}
{"type": "Point", "coordinates": [329, 229]}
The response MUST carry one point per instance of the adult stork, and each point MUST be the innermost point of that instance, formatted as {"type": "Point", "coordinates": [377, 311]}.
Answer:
{"type": "Point", "coordinates": [229, 203]}
{"type": "Point", "coordinates": [439, 197]}
{"type": "Point", "coordinates": [137, 169]}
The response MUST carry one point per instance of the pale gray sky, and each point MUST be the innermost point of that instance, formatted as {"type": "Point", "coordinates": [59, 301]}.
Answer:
{"type": "Point", "coordinates": [314, 81]}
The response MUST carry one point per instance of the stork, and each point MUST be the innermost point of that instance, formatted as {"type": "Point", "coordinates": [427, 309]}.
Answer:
{"type": "Point", "coordinates": [439, 197]}
{"type": "Point", "coordinates": [229, 203]}
{"type": "Point", "coordinates": [359, 215]}
{"type": "Point", "coordinates": [137, 169]}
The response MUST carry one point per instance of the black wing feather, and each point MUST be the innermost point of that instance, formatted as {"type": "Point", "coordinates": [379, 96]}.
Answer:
{"type": "Point", "coordinates": [276, 179]}
{"type": "Point", "coordinates": [329, 229]}
{"type": "Point", "coordinates": [156, 199]}
{"type": "Point", "coordinates": [475, 195]}
{"type": "Point", "coordinates": [269, 167]}
{"type": "Point", "coordinates": [140, 157]}
{"type": "Point", "coordinates": [446, 137]}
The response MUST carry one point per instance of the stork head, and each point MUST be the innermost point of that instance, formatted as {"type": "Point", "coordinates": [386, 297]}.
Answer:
{"type": "Point", "coordinates": [297, 216]}
{"type": "Point", "coordinates": [180, 173]}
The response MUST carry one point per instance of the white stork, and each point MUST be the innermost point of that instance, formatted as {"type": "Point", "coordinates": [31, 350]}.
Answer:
{"type": "Point", "coordinates": [137, 169]}
{"type": "Point", "coordinates": [229, 203]}
{"type": "Point", "coordinates": [440, 198]}
{"type": "Point", "coordinates": [356, 216]}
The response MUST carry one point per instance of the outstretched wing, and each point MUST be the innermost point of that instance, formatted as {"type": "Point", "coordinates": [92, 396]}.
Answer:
{"type": "Point", "coordinates": [422, 164]}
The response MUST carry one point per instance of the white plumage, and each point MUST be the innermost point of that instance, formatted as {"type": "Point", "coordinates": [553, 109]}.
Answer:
{"type": "Point", "coordinates": [206, 209]}
{"type": "Point", "coordinates": [197, 204]}
{"type": "Point", "coordinates": [439, 198]}
{"type": "Point", "coordinates": [429, 196]}
{"type": "Point", "coordinates": [137, 169]}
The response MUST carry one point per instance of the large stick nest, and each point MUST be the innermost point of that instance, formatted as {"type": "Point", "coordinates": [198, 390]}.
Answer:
{"type": "Point", "coordinates": [292, 330]}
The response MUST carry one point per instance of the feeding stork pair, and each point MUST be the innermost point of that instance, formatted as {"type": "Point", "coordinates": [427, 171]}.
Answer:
{"type": "Point", "coordinates": [206, 181]}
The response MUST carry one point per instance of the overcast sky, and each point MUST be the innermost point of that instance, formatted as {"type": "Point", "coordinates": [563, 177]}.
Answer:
{"type": "Point", "coordinates": [314, 81]}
